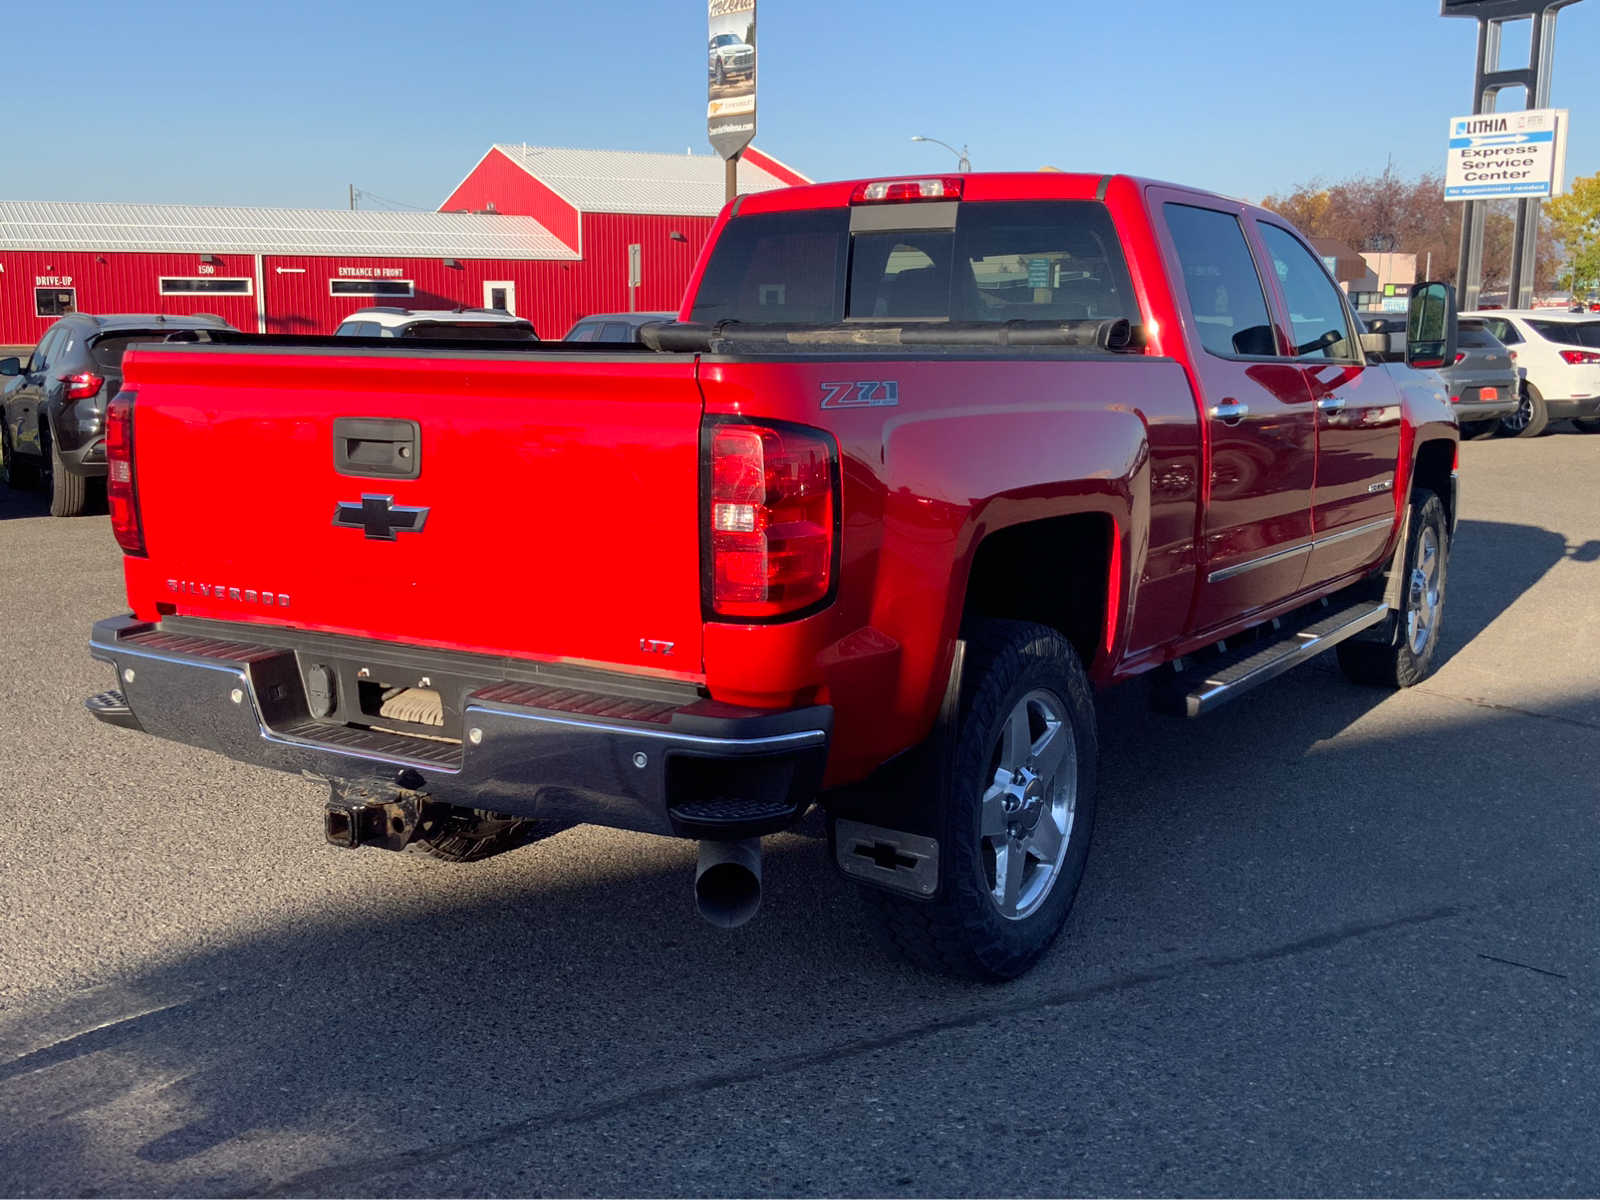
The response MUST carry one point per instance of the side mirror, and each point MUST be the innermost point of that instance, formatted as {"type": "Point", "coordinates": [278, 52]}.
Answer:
{"type": "Point", "coordinates": [1431, 326]}
{"type": "Point", "coordinates": [10, 366]}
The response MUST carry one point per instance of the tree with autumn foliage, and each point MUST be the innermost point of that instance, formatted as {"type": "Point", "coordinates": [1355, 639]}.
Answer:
{"type": "Point", "coordinates": [1576, 218]}
{"type": "Point", "coordinates": [1388, 213]}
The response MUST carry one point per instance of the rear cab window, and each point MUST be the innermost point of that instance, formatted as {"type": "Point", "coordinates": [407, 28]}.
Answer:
{"type": "Point", "coordinates": [991, 262]}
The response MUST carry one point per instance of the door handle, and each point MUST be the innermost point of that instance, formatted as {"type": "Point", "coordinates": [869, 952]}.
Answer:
{"type": "Point", "coordinates": [1230, 412]}
{"type": "Point", "coordinates": [1331, 404]}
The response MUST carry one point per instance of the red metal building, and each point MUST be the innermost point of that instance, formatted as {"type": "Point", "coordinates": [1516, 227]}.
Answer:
{"type": "Point", "coordinates": [545, 233]}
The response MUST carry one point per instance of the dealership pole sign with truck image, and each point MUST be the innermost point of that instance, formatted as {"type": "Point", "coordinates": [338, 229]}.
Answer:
{"type": "Point", "coordinates": [1516, 155]}
{"type": "Point", "coordinates": [731, 75]}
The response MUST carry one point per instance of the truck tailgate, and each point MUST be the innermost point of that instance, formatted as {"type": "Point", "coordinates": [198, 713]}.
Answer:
{"type": "Point", "coordinates": [561, 498]}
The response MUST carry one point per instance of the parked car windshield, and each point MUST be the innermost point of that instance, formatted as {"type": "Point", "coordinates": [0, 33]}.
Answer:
{"type": "Point", "coordinates": [726, 39]}
{"type": "Point", "coordinates": [1045, 260]}
{"type": "Point", "coordinates": [1570, 333]}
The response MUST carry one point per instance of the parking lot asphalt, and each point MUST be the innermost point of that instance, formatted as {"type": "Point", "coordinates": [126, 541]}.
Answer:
{"type": "Point", "coordinates": [1331, 941]}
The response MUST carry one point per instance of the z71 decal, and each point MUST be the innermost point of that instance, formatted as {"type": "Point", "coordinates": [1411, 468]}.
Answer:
{"type": "Point", "coordinates": [864, 393]}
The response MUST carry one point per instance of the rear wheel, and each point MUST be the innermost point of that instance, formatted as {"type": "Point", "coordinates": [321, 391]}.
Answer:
{"type": "Point", "coordinates": [68, 492]}
{"type": "Point", "coordinates": [1017, 810]}
{"type": "Point", "coordinates": [1408, 657]}
{"type": "Point", "coordinates": [1587, 424]}
{"type": "Point", "coordinates": [1531, 416]}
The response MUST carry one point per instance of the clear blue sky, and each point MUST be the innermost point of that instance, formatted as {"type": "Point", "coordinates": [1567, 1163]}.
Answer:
{"type": "Point", "coordinates": [285, 103]}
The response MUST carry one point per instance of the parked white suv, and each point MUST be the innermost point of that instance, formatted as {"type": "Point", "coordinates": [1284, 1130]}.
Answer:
{"type": "Point", "coordinates": [1561, 353]}
{"type": "Point", "coordinates": [457, 324]}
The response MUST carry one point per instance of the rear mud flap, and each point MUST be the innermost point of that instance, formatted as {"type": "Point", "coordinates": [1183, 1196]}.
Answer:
{"type": "Point", "coordinates": [886, 831]}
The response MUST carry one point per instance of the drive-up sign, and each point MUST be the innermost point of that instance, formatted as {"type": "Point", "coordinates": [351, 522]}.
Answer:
{"type": "Point", "coordinates": [1509, 154]}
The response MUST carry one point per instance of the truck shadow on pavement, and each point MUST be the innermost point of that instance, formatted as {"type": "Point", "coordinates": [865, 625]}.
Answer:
{"type": "Point", "coordinates": [482, 1017]}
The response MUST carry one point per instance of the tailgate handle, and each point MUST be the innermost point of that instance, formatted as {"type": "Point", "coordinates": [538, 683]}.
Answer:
{"type": "Point", "coordinates": [377, 447]}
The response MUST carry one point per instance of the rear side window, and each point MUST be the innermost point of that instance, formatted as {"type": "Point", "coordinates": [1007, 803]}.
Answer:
{"type": "Point", "coordinates": [1219, 275]}
{"type": "Point", "coordinates": [1035, 261]}
{"type": "Point", "coordinates": [1569, 333]}
{"type": "Point", "coordinates": [614, 331]}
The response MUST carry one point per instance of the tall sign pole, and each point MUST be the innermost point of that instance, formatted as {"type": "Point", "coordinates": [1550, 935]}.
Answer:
{"type": "Point", "coordinates": [731, 82]}
{"type": "Point", "coordinates": [1492, 16]}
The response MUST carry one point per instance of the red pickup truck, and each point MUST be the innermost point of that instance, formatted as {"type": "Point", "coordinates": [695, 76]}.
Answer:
{"type": "Point", "coordinates": [921, 463]}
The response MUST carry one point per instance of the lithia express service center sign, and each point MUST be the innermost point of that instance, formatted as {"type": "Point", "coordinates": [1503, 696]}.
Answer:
{"type": "Point", "coordinates": [1510, 154]}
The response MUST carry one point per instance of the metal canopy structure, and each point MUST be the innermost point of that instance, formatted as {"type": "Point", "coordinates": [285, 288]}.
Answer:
{"type": "Point", "coordinates": [1492, 17]}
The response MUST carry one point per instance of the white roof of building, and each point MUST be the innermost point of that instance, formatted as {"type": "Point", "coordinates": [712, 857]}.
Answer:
{"type": "Point", "coordinates": [632, 181]}
{"type": "Point", "coordinates": [181, 228]}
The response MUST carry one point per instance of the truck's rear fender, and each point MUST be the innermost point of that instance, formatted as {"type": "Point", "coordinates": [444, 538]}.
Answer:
{"type": "Point", "coordinates": [926, 482]}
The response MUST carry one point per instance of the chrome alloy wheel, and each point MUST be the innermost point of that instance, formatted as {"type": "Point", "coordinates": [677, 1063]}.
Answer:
{"type": "Point", "coordinates": [1423, 592]}
{"type": "Point", "coordinates": [1028, 808]}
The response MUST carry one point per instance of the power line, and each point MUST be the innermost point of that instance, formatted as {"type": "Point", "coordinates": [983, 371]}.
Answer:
{"type": "Point", "coordinates": [359, 194]}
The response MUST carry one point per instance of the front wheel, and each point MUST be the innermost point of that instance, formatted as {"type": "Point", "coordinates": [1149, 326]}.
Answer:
{"type": "Point", "coordinates": [1408, 656]}
{"type": "Point", "coordinates": [1017, 811]}
{"type": "Point", "coordinates": [1531, 416]}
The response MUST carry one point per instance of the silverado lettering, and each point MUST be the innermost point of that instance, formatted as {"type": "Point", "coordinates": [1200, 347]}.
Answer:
{"type": "Point", "coordinates": [921, 463]}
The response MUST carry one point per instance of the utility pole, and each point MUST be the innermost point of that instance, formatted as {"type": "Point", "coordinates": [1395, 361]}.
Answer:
{"type": "Point", "coordinates": [730, 178]}
{"type": "Point", "coordinates": [352, 197]}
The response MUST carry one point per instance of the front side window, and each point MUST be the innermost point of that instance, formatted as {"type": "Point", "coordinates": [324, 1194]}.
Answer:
{"type": "Point", "coordinates": [203, 285]}
{"type": "Point", "coordinates": [54, 301]}
{"type": "Point", "coordinates": [1316, 308]}
{"type": "Point", "coordinates": [584, 332]}
{"type": "Point", "coordinates": [1219, 275]}
{"type": "Point", "coordinates": [44, 351]}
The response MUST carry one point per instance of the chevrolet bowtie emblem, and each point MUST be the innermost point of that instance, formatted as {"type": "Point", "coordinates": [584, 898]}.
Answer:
{"type": "Point", "coordinates": [379, 517]}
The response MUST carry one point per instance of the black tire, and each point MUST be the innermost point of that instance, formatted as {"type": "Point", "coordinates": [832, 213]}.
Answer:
{"type": "Point", "coordinates": [469, 835]}
{"type": "Point", "coordinates": [1587, 424]}
{"type": "Point", "coordinates": [68, 492]}
{"type": "Point", "coordinates": [19, 471]}
{"type": "Point", "coordinates": [962, 932]}
{"type": "Point", "coordinates": [1531, 418]}
{"type": "Point", "coordinates": [1402, 662]}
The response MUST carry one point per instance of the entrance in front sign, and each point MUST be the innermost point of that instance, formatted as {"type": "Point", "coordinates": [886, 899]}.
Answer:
{"type": "Point", "coordinates": [501, 294]}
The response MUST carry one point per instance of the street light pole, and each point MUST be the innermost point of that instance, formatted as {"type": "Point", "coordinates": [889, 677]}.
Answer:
{"type": "Point", "coordinates": [965, 166]}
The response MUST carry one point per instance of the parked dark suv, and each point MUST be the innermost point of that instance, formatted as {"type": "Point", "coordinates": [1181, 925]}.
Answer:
{"type": "Point", "coordinates": [52, 411]}
{"type": "Point", "coordinates": [1484, 381]}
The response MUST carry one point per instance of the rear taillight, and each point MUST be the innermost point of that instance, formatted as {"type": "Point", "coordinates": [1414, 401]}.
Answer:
{"type": "Point", "coordinates": [902, 191]}
{"type": "Point", "coordinates": [1580, 358]}
{"type": "Point", "coordinates": [122, 489]}
{"type": "Point", "coordinates": [82, 385]}
{"type": "Point", "coordinates": [772, 508]}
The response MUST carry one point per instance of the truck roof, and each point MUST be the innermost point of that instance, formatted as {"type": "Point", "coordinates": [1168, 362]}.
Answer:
{"type": "Point", "coordinates": [984, 185]}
